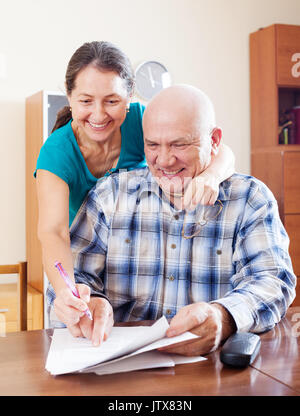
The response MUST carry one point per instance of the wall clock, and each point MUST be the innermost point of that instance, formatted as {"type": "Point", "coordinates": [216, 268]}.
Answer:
{"type": "Point", "coordinates": [151, 77]}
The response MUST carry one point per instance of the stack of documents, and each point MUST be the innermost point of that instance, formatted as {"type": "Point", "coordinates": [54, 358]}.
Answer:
{"type": "Point", "coordinates": [126, 349]}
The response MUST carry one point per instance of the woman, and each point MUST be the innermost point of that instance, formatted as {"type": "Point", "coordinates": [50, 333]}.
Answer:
{"type": "Point", "coordinates": [99, 133]}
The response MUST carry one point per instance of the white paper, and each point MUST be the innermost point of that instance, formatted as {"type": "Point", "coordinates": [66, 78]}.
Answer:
{"type": "Point", "coordinates": [146, 360]}
{"type": "Point", "coordinates": [126, 349]}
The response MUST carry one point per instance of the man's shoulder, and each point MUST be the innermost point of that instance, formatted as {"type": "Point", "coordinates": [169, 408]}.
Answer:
{"type": "Point", "coordinates": [241, 186]}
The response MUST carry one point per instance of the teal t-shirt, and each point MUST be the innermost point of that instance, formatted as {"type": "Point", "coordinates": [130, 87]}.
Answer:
{"type": "Point", "coordinates": [60, 154]}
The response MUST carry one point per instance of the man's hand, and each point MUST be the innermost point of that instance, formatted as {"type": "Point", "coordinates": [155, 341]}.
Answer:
{"type": "Point", "coordinates": [211, 322]}
{"type": "Point", "coordinates": [70, 310]}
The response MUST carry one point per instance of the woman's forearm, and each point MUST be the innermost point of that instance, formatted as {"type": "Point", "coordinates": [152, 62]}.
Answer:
{"type": "Point", "coordinates": [56, 247]}
{"type": "Point", "coordinates": [222, 164]}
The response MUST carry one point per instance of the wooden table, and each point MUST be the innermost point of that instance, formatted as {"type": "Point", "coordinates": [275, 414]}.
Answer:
{"type": "Point", "coordinates": [275, 372]}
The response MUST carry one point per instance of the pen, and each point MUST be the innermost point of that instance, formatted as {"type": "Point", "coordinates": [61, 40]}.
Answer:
{"type": "Point", "coordinates": [71, 285]}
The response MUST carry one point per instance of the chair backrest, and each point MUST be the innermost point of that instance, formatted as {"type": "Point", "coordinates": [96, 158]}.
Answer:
{"type": "Point", "coordinates": [21, 270]}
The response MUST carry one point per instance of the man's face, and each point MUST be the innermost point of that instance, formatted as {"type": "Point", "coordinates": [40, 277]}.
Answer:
{"type": "Point", "coordinates": [174, 153]}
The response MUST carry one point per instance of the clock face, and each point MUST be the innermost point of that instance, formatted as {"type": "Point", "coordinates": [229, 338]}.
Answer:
{"type": "Point", "coordinates": [151, 77]}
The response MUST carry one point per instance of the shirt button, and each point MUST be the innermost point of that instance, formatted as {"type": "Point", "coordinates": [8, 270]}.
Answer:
{"type": "Point", "coordinates": [219, 251]}
{"type": "Point", "coordinates": [176, 216]}
{"type": "Point", "coordinates": [127, 240]}
{"type": "Point", "coordinates": [202, 222]}
{"type": "Point", "coordinates": [171, 278]}
{"type": "Point", "coordinates": [173, 245]}
{"type": "Point", "coordinates": [168, 311]}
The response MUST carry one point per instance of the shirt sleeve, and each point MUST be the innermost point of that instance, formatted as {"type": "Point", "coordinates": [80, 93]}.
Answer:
{"type": "Point", "coordinates": [89, 233]}
{"type": "Point", "coordinates": [264, 282]}
{"type": "Point", "coordinates": [55, 160]}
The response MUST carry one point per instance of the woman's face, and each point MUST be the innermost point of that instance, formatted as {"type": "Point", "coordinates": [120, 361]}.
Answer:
{"type": "Point", "coordinates": [98, 102]}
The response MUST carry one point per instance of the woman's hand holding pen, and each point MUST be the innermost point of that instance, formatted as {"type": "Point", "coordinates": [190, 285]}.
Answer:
{"type": "Point", "coordinates": [69, 309]}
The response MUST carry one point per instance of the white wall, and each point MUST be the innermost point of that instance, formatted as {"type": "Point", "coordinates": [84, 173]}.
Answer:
{"type": "Point", "coordinates": [203, 43]}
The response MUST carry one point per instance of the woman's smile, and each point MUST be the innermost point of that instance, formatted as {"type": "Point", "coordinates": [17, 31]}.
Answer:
{"type": "Point", "coordinates": [99, 126]}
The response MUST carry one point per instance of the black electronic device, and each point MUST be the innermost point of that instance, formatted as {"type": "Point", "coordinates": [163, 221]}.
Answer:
{"type": "Point", "coordinates": [240, 349]}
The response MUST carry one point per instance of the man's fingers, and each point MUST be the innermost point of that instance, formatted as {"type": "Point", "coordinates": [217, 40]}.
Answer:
{"type": "Point", "coordinates": [186, 319]}
{"type": "Point", "coordinates": [75, 330]}
{"type": "Point", "coordinates": [103, 321]}
{"type": "Point", "coordinates": [206, 342]}
{"type": "Point", "coordinates": [187, 348]}
{"type": "Point", "coordinates": [108, 328]}
{"type": "Point", "coordinates": [86, 326]}
{"type": "Point", "coordinates": [101, 330]}
{"type": "Point", "coordinates": [98, 331]}
{"type": "Point", "coordinates": [190, 348]}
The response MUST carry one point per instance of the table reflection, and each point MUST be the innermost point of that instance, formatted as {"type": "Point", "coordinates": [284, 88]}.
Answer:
{"type": "Point", "coordinates": [281, 342]}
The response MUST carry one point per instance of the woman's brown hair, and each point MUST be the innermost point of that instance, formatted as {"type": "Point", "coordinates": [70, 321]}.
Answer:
{"type": "Point", "coordinates": [103, 55]}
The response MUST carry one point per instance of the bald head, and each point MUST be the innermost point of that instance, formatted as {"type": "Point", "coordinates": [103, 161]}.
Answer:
{"type": "Point", "coordinates": [184, 104]}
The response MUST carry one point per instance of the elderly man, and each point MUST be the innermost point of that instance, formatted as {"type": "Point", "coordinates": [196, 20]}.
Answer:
{"type": "Point", "coordinates": [212, 270]}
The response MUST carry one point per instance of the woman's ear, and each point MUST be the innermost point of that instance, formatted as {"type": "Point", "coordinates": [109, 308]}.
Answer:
{"type": "Point", "coordinates": [216, 137]}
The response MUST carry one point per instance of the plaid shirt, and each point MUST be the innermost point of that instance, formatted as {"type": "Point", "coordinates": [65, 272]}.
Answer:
{"type": "Point", "coordinates": [128, 246]}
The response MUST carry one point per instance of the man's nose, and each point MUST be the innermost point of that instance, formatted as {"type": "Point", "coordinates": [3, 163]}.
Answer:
{"type": "Point", "coordinates": [165, 158]}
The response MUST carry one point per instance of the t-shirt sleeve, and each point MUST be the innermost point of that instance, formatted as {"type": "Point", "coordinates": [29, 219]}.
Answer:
{"type": "Point", "coordinates": [55, 160]}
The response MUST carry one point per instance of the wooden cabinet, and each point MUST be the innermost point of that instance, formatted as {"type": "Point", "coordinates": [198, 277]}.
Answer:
{"type": "Point", "coordinates": [9, 303]}
{"type": "Point", "coordinates": [274, 91]}
{"type": "Point", "coordinates": [291, 183]}
{"type": "Point", "coordinates": [41, 110]}
{"type": "Point", "coordinates": [291, 190]}
{"type": "Point", "coordinates": [292, 225]}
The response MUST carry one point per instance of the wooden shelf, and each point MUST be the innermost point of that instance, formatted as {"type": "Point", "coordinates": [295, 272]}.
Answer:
{"type": "Point", "coordinates": [277, 149]}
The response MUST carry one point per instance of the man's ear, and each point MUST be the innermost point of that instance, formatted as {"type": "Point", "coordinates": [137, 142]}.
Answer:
{"type": "Point", "coordinates": [216, 137]}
